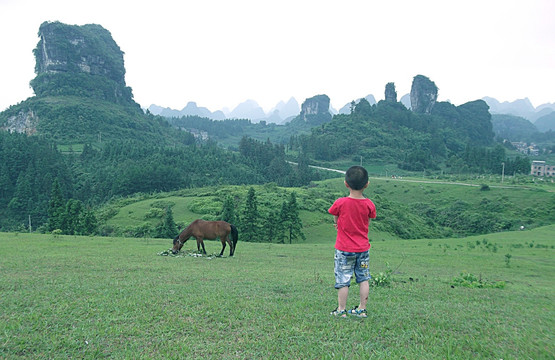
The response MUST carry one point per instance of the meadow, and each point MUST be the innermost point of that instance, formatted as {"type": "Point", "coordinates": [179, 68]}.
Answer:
{"type": "Point", "coordinates": [407, 208]}
{"type": "Point", "coordinates": [481, 297]}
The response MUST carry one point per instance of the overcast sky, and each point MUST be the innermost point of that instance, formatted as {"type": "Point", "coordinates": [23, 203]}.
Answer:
{"type": "Point", "coordinates": [220, 53]}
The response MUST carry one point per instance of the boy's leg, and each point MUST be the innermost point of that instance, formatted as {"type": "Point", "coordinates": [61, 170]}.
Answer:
{"type": "Point", "coordinates": [363, 278]}
{"type": "Point", "coordinates": [342, 294]}
{"type": "Point", "coordinates": [343, 267]}
{"type": "Point", "coordinates": [364, 291]}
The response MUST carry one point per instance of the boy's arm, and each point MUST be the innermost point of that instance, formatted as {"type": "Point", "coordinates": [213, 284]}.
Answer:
{"type": "Point", "coordinates": [335, 217]}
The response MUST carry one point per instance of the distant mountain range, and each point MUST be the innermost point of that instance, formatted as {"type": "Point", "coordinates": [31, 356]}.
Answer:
{"type": "Point", "coordinates": [281, 113]}
{"type": "Point", "coordinates": [521, 107]}
{"type": "Point", "coordinates": [543, 116]}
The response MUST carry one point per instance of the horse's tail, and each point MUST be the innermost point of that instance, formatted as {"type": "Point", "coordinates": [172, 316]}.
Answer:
{"type": "Point", "coordinates": [234, 235]}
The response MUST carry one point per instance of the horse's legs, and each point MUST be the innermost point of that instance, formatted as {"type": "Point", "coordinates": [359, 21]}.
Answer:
{"type": "Point", "coordinates": [225, 240]}
{"type": "Point", "coordinates": [223, 246]}
{"type": "Point", "coordinates": [200, 241]}
{"type": "Point", "coordinates": [231, 247]}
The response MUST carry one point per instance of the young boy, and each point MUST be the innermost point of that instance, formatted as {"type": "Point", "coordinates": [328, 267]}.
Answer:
{"type": "Point", "coordinates": [352, 216]}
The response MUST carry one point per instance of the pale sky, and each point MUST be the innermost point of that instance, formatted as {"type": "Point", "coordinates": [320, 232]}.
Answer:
{"type": "Point", "coordinates": [219, 53]}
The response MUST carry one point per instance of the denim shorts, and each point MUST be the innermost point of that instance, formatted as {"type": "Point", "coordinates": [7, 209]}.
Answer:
{"type": "Point", "coordinates": [347, 263]}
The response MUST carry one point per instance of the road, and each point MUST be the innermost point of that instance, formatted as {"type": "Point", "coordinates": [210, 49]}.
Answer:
{"type": "Point", "coordinates": [427, 181]}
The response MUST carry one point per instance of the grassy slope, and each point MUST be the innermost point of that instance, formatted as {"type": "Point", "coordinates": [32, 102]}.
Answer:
{"type": "Point", "coordinates": [515, 202]}
{"type": "Point", "coordinates": [84, 297]}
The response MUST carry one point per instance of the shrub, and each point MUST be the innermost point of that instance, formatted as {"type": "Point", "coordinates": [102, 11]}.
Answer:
{"type": "Point", "coordinates": [472, 281]}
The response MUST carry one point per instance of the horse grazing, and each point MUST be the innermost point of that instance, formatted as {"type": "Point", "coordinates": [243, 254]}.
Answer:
{"type": "Point", "coordinates": [201, 229]}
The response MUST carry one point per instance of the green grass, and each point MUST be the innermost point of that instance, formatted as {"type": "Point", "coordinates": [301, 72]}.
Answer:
{"type": "Point", "coordinates": [135, 213]}
{"type": "Point", "coordinates": [94, 297]}
{"type": "Point", "coordinates": [408, 200]}
{"type": "Point", "coordinates": [71, 148]}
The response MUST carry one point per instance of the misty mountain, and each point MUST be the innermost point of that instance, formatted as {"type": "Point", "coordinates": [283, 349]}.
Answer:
{"type": "Point", "coordinates": [546, 122]}
{"type": "Point", "coordinates": [190, 110]}
{"type": "Point", "coordinates": [405, 100]}
{"type": "Point", "coordinates": [520, 107]}
{"type": "Point", "coordinates": [346, 109]}
{"type": "Point", "coordinates": [513, 128]}
{"type": "Point", "coordinates": [248, 110]}
{"type": "Point", "coordinates": [284, 112]}
{"type": "Point", "coordinates": [279, 114]}
{"type": "Point", "coordinates": [193, 109]}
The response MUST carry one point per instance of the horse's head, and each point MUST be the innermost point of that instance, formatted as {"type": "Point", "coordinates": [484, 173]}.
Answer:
{"type": "Point", "coordinates": [177, 244]}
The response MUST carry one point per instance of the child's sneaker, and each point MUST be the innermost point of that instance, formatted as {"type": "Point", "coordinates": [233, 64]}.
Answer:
{"type": "Point", "coordinates": [362, 313]}
{"type": "Point", "coordinates": [342, 313]}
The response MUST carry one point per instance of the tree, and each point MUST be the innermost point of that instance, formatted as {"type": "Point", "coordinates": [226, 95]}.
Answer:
{"type": "Point", "coordinates": [283, 223]}
{"type": "Point", "coordinates": [272, 226]}
{"type": "Point", "coordinates": [167, 228]}
{"type": "Point", "coordinates": [88, 222]}
{"type": "Point", "coordinates": [304, 174]}
{"type": "Point", "coordinates": [71, 218]}
{"type": "Point", "coordinates": [56, 207]}
{"type": "Point", "coordinates": [250, 218]}
{"type": "Point", "coordinates": [6, 187]}
{"type": "Point", "coordinates": [23, 194]}
{"type": "Point", "coordinates": [228, 210]}
{"type": "Point", "coordinates": [294, 223]}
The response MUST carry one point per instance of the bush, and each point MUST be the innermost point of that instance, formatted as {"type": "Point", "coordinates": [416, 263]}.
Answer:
{"type": "Point", "coordinates": [472, 281]}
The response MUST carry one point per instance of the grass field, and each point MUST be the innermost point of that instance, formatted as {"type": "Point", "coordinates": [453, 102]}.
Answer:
{"type": "Point", "coordinates": [401, 203]}
{"type": "Point", "coordinates": [99, 297]}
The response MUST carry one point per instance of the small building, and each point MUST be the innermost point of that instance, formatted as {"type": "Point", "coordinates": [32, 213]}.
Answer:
{"type": "Point", "coordinates": [539, 168]}
{"type": "Point", "coordinates": [527, 149]}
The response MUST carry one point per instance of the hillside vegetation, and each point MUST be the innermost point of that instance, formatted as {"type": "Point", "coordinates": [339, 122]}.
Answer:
{"type": "Point", "coordinates": [406, 209]}
{"type": "Point", "coordinates": [83, 138]}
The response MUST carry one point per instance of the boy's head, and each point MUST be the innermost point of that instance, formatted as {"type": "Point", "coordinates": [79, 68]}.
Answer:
{"type": "Point", "coordinates": [356, 177]}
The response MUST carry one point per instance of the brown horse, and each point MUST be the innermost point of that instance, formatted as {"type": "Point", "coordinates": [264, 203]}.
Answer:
{"type": "Point", "coordinates": [201, 229]}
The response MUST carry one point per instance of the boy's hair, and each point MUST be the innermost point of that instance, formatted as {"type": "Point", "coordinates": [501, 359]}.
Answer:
{"type": "Point", "coordinates": [356, 177]}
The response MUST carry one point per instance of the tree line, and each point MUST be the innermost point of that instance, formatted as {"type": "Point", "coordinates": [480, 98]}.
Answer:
{"type": "Point", "coordinates": [452, 138]}
{"type": "Point", "coordinates": [281, 224]}
{"type": "Point", "coordinates": [112, 169]}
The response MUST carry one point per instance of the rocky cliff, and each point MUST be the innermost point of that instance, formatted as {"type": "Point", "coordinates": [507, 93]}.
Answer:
{"type": "Point", "coordinates": [423, 94]}
{"type": "Point", "coordinates": [316, 110]}
{"type": "Point", "coordinates": [80, 91]}
{"type": "Point", "coordinates": [23, 122]}
{"type": "Point", "coordinates": [390, 93]}
{"type": "Point", "coordinates": [79, 60]}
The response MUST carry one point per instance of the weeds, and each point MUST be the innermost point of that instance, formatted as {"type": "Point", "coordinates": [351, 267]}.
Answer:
{"type": "Point", "coordinates": [472, 281]}
{"type": "Point", "coordinates": [485, 244]}
{"type": "Point", "coordinates": [382, 279]}
{"type": "Point", "coordinates": [508, 260]}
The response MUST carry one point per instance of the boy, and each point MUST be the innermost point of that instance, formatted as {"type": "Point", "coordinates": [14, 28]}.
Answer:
{"type": "Point", "coordinates": [352, 216]}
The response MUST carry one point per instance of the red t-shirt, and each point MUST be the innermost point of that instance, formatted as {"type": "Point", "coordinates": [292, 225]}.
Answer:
{"type": "Point", "coordinates": [352, 223]}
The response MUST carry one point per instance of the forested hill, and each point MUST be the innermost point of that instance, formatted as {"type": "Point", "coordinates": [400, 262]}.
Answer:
{"type": "Point", "coordinates": [80, 92]}
{"type": "Point", "coordinates": [85, 139]}
{"type": "Point", "coordinates": [390, 133]}
{"type": "Point", "coordinates": [82, 140]}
